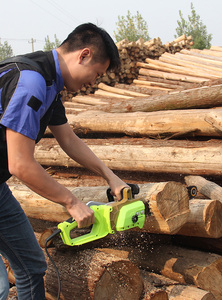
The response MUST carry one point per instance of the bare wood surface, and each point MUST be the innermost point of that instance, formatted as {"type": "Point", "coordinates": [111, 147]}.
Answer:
{"type": "Point", "coordinates": [204, 219]}
{"type": "Point", "coordinates": [115, 90]}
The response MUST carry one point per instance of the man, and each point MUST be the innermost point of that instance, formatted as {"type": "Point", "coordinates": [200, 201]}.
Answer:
{"type": "Point", "coordinates": [30, 102]}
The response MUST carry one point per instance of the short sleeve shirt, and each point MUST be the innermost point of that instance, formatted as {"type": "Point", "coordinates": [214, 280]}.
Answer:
{"type": "Point", "coordinates": [31, 100]}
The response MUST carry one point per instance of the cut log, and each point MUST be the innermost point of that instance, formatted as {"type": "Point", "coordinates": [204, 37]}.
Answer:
{"type": "Point", "coordinates": [204, 219]}
{"type": "Point", "coordinates": [170, 289]}
{"type": "Point", "coordinates": [168, 201]}
{"type": "Point", "coordinates": [184, 292]}
{"type": "Point", "coordinates": [148, 123]}
{"type": "Point", "coordinates": [152, 156]}
{"type": "Point", "coordinates": [216, 48]}
{"type": "Point", "coordinates": [89, 100]}
{"type": "Point", "coordinates": [202, 97]}
{"type": "Point", "coordinates": [178, 72]}
{"type": "Point", "coordinates": [92, 274]}
{"type": "Point", "coordinates": [194, 53]}
{"type": "Point", "coordinates": [186, 266]}
{"type": "Point", "coordinates": [115, 90]}
{"type": "Point", "coordinates": [205, 187]}
{"type": "Point", "coordinates": [150, 85]}
{"type": "Point", "coordinates": [202, 61]}
{"type": "Point", "coordinates": [153, 288]}
{"type": "Point", "coordinates": [109, 94]}
{"type": "Point", "coordinates": [200, 69]}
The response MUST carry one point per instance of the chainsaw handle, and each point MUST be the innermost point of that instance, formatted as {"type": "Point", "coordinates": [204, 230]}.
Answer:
{"type": "Point", "coordinates": [134, 188]}
{"type": "Point", "coordinates": [100, 228]}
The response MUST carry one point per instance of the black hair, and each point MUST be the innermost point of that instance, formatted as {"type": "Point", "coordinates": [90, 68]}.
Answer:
{"type": "Point", "coordinates": [101, 43]}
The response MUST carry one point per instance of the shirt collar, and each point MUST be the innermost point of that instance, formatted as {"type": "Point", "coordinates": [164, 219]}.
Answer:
{"type": "Point", "coordinates": [59, 79]}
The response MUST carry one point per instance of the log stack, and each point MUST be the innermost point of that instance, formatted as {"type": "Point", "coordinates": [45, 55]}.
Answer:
{"type": "Point", "coordinates": [131, 53]}
{"type": "Point", "coordinates": [165, 137]}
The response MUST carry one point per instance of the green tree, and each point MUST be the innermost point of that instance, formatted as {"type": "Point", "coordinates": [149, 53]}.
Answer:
{"type": "Point", "coordinates": [131, 28]}
{"type": "Point", "coordinates": [51, 45]}
{"type": "Point", "coordinates": [195, 27]}
{"type": "Point", "coordinates": [5, 51]}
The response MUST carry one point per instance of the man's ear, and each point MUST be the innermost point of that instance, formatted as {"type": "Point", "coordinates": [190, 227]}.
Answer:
{"type": "Point", "coordinates": [85, 55]}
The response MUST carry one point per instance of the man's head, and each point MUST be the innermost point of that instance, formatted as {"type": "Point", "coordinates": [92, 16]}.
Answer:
{"type": "Point", "coordinates": [85, 54]}
{"type": "Point", "coordinates": [90, 36]}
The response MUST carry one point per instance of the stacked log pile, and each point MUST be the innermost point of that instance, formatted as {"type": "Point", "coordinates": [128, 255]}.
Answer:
{"type": "Point", "coordinates": [165, 137]}
{"type": "Point", "coordinates": [130, 54]}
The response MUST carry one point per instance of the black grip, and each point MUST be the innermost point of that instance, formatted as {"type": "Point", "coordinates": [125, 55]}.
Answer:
{"type": "Point", "coordinates": [134, 188]}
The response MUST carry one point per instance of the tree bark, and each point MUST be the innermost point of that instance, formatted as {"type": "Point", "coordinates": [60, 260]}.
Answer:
{"type": "Point", "coordinates": [148, 124]}
{"type": "Point", "coordinates": [201, 97]}
{"type": "Point", "coordinates": [150, 156]}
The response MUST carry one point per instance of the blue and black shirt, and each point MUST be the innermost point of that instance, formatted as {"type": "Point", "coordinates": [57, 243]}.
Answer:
{"type": "Point", "coordinates": [30, 89]}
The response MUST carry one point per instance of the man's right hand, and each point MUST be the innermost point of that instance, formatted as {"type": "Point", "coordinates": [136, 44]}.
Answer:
{"type": "Point", "coordinates": [81, 213]}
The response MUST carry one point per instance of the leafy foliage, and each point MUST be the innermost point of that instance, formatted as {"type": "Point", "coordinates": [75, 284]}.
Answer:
{"type": "Point", "coordinates": [51, 45]}
{"type": "Point", "coordinates": [131, 28]}
{"type": "Point", "coordinates": [195, 27]}
{"type": "Point", "coordinates": [5, 51]}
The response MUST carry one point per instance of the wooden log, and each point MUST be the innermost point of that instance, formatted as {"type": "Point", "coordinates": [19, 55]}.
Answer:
{"type": "Point", "coordinates": [160, 123]}
{"type": "Point", "coordinates": [186, 266]}
{"type": "Point", "coordinates": [174, 84]}
{"type": "Point", "coordinates": [200, 69]}
{"type": "Point", "coordinates": [168, 201]}
{"type": "Point", "coordinates": [92, 274]}
{"type": "Point", "coordinates": [211, 52]}
{"type": "Point", "coordinates": [158, 286]}
{"type": "Point", "coordinates": [205, 187]}
{"type": "Point", "coordinates": [152, 156]}
{"type": "Point", "coordinates": [204, 219]}
{"type": "Point", "coordinates": [89, 100]}
{"type": "Point", "coordinates": [115, 90]}
{"type": "Point", "coordinates": [216, 48]}
{"type": "Point", "coordinates": [154, 287]}
{"type": "Point", "coordinates": [109, 94]}
{"type": "Point", "coordinates": [173, 76]}
{"type": "Point", "coordinates": [157, 84]}
{"type": "Point", "coordinates": [202, 97]}
{"type": "Point", "coordinates": [184, 292]}
{"type": "Point", "coordinates": [148, 84]}
{"type": "Point", "coordinates": [202, 61]}
{"type": "Point", "coordinates": [201, 54]}
{"type": "Point", "coordinates": [166, 66]}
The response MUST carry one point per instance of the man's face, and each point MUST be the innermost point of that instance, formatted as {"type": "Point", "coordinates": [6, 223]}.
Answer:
{"type": "Point", "coordinates": [84, 72]}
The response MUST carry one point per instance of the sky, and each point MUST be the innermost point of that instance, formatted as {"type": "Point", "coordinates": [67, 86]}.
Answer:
{"type": "Point", "coordinates": [24, 21]}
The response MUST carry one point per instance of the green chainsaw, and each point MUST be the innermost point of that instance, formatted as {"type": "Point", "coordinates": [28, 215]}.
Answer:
{"type": "Point", "coordinates": [109, 218]}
